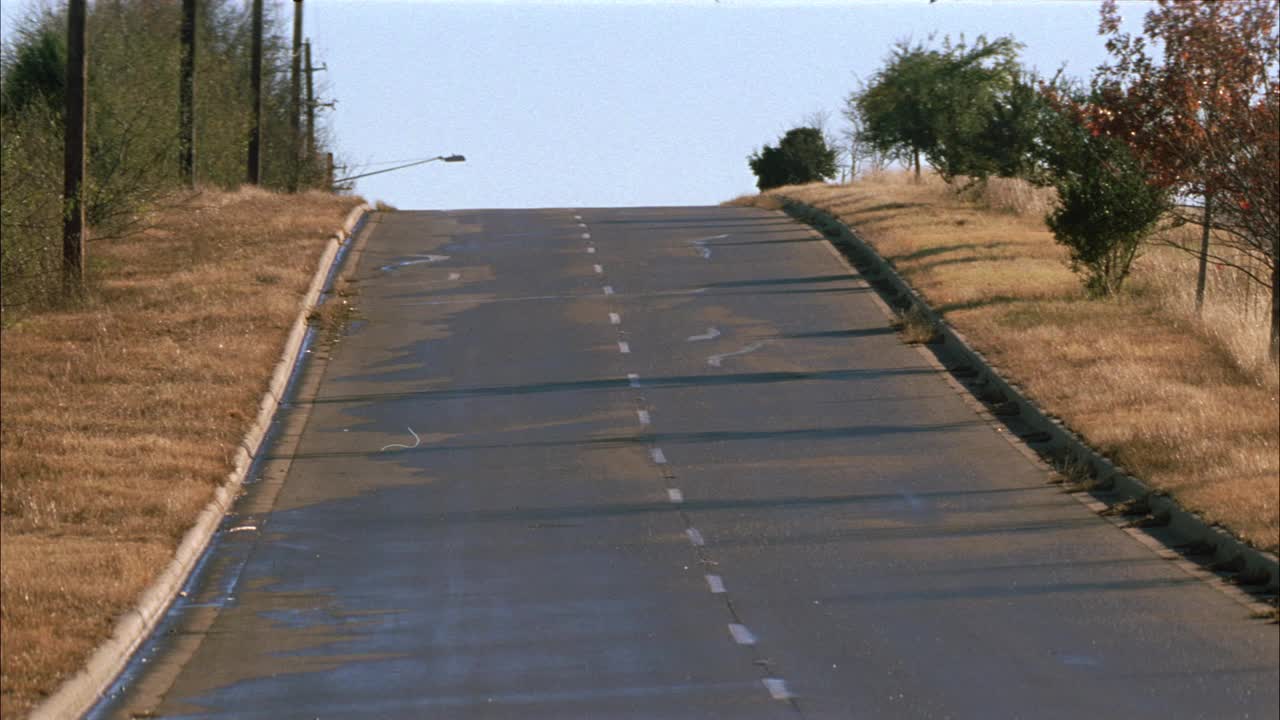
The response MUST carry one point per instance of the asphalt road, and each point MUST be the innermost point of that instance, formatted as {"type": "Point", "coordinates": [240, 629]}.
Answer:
{"type": "Point", "coordinates": [666, 463]}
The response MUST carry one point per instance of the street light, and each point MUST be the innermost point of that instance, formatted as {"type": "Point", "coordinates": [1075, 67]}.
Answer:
{"type": "Point", "coordinates": [445, 158]}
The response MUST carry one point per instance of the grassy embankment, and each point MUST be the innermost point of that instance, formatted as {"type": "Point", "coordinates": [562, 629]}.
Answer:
{"type": "Point", "coordinates": [1188, 405]}
{"type": "Point", "coordinates": [121, 416]}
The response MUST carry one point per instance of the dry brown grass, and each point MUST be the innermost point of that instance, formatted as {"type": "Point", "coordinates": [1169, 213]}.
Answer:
{"type": "Point", "coordinates": [1184, 404]}
{"type": "Point", "coordinates": [121, 416]}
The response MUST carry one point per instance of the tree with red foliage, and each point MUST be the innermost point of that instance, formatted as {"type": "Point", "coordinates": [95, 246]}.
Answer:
{"type": "Point", "coordinates": [1197, 117]}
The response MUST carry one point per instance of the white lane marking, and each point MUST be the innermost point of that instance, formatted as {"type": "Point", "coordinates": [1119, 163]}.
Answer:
{"type": "Point", "coordinates": [695, 537]}
{"type": "Point", "coordinates": [421, 259]}
{"type": "Point", "coordinates": [582, 225]}
{"type": "Point", "coordinates": [615, 319]}
{"type": "Point", "coordinates": [624, 347]}
{"type": "Point", "coordinates": [658, 456]}
{"type": "Point", "coordinates": [586, 236]}
{"type": "Point", "coordinates": [710, 334]}
{"type": "Point", "coordinates": [578, 218]}
{"type": "Point", "coordinates": [715, 360]}
{"type": "Point", "coordinates": [633, 379]}
{"type": "Point", "coordinates": [455, 276]}
{"type": "Point", "coordinates": [416, 442]}
{"type": "Point", "coordinates": [674, 495]}
{"type": "Point", "coordinates": [701, 245]}
{"type": "Point", "coordinates": [741, 634]}
{"type": "Point", "coordinates": [777, 688]}
{"type": "Point", "coordinates": [242, 528]}
{"type": "Point", "coordinates": [716, 584]}
{"type": "Point", "coordinates": [591, 250]}
{"type": "Point", "coordinates": [608, 289]}
{"type": "Point", "coordinates": [644, 416]}
{"type": "Point", "coordinates": [598, 268]}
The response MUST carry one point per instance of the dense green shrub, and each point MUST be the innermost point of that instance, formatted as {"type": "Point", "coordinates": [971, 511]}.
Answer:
{"type": "Point", "coordinates": [132, 152]}
{"type": "Point", "coordinates": [802, 156]}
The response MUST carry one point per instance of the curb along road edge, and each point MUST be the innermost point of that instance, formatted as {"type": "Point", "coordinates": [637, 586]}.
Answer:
{"type": "Point", "coordinates": [77, 694]}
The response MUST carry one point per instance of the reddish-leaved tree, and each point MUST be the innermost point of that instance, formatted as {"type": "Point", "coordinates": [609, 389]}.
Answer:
{"type": "Point", "coordinates": [1197, 116]}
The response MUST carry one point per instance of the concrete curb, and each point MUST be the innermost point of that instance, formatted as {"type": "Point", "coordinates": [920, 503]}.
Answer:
{"type": "Point", "coordinates": [78, 693]}
{"type": "Point", "coordinates": [1250, 565]}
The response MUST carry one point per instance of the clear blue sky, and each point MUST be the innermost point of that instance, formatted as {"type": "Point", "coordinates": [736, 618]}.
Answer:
{"type": "Point", "coordinates": [620, 103]}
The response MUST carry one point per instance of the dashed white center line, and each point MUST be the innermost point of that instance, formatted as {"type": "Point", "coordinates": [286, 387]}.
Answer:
{"type": "Point", "coordinates": [615, 319]}
{"type": "Point", "coordinates": [624, 347]}
{"type": "Point", "coordinates": [455, 276]}
{"type": "Point", "coordinates": [644, 416]}
{"type": "Point", "coordinates": [716, 584]}
{"type": "Point", "coordinates": [741, 634]}
{"type": "Point", "coordinates": [658, 456]}
{"type": "Point", "coordinates": [633, 379]}
{"type": "Point", "coordinates": [591, 250]}
{"type": "Point", "coordinates": [695, 537]}
{"type": "Point", "coordinates": [608, 289]}
{"type": "Point", "coordinates": [582, 225]}
{"type": "Point", "coordinates": [586, 236]}
{"type": "Point", "coordinates": [777, 688]}
{"type": "Point", "coordinates": [598, 268]}
{"type": "Point", "coordinates": [578, 218]}
{"type": "Point", "coordinates": [674, 495]}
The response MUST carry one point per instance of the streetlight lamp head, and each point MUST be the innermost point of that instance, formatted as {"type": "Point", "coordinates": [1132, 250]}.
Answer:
{"type": "Point", "coordinates": [455, 158]}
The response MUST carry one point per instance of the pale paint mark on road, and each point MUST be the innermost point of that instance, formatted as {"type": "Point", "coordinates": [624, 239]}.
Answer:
{"type": "Point", "coordinates": [633, 379]}
{"type": "Point", "coordinates": [615, 319]}
{"type": "Point", "coordinates": [716, 360]}
{"type": "Point", "coordinates": [586, 236]}
{"type": "Point", "coordinates": [701, 245]}
{"type": "Point", "coordinates": [643, 415]}
{"type": "Point", "coordinates": [608, 289]}
{"type": "Point", "coordinates": [716, 584]}
{"type": "Point", "coordinates": [675, 496]}
{"type": "Point", "coordinates": [591, 250]}
{"type": "Point", "coordinates": [777, 688]}
{"type": "Point", "coordinates": [624, 347]}
{"type": "Point", "coordinates": [455, 276]}
{"type": "Point", "coordinates": [710, 334]}
{"type": "Point", "coordinates": [416, 442]}
{"type": "Point", "coordinates": [578, 218]}
{"type": "Point", "coordinates": [658, 456]}
{"type": "Point", "coordinates": [741, 634]}
{"type": "Point", "coordinates": [598, 268]}
{"type": "Point", "coordinates": [695, 537]}
{"type": "Point", "coordinates": [420, 259]}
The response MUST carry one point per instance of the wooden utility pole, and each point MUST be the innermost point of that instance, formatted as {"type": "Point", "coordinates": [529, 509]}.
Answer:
{"type": "Point", "coordinates": [73, 217]}
{"type": "Point", "coordinates": [295, 99]}
{"type": "Point", "coordinates": [186, 96]}
{"type": "Point", "coordinates": [311, 107]}
{"type": "Point", "coordinates": [255, 97]}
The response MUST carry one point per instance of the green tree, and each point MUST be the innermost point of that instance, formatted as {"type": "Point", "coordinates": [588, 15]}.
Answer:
{"type": "Point", "coordinates": [947, 105]}
{"type": "Point", "coordinates": [133, 123]}
{"type": "Point", "coordinates": [1107, 202]}
{"type": "Point", "coordinates": [802, 156]}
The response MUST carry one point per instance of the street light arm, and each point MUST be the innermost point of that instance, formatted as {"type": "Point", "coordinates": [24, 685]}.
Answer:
{"type": "Point", "coordinates": [446, 158]}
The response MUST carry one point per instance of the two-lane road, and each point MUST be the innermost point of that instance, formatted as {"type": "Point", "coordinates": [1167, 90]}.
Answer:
{"type": "Point", "coordinates": [667, 463]}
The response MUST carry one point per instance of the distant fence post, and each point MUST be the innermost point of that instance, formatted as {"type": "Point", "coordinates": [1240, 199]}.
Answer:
{"type": "Point", "coordinates": [74, 135]}
{"type": "Point", "coordinates": [186, 96]}
{"type": "Point", "coordinates": [295, 100]}
{"type": "Point", "coordinates": [255, 97]}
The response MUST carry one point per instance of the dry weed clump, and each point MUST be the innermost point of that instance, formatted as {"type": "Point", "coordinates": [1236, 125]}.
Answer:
{"type": "Point", "coordinates": [1188, 404]}
{"type": "Point", "coordinates": [122, 415]}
